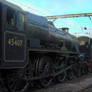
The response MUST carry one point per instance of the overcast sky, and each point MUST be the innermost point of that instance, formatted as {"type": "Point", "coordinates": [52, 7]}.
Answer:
{"type": "Point", "coordinates": [61, 7]}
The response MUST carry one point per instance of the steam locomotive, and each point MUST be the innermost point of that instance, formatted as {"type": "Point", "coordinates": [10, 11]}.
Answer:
{"type": "Point", "coordinates": [33, 50]}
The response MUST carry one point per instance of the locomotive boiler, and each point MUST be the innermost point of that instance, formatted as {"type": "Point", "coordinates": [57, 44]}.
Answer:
{"type": "Point", "coordinates": [33, 50]}
{"type": "Point", "coordinates": [48, 36]}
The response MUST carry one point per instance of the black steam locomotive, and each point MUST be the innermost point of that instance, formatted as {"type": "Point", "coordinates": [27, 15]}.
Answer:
{"type": "Point", "coordinates": [33, 50]}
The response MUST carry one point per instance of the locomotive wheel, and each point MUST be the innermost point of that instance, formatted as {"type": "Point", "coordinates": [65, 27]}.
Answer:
{"type": "Point", "coordinates": [44, 68]}
{"type": "Point", "coordinates": [77, 70]}
{"type": "Point", "coordinates": [60, 78]}
{"type": "Point", "coordinates": [13, 86]}
{"type": "Point", "coordinates": [84, 69]}
{"type": "Point", "coordinates": [2, 86]}
{"type": "Point", "coordinates": [79, 73]}
{"type": "Point", "coordinates": [90, 69]}
{"type": "Point", "coordinates": [71, 74]}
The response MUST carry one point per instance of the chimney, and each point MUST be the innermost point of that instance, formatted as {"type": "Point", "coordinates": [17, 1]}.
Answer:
{"type": "Point", "coordinates": [65, 29]}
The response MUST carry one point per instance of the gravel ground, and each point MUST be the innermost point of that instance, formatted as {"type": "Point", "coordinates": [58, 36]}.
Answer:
{"type": "Point", "coordinates": [82, 84]}
{"type": "Point", "coordinates": [89, 89]}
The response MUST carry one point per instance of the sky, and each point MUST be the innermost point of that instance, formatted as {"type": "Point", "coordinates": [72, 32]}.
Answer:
{"type": "Point", "coordinates": [61, 7]}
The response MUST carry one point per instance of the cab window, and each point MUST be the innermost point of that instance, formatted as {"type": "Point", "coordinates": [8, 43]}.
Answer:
{"type": "Point", "coordinates": [20, 22]}
{"type": "Point", "coordinates": [11, 18]}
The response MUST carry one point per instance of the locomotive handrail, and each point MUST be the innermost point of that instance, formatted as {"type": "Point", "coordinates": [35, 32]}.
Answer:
{"type": "Point", "coordinates": [70, 16]}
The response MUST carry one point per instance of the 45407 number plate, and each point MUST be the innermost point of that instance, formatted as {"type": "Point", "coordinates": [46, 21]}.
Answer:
{"type": "Point", "coordinates": [14, 47]}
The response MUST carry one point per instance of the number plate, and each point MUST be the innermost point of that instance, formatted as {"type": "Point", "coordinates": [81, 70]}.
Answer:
{"type": "Point", "coordinates": [14, 47]}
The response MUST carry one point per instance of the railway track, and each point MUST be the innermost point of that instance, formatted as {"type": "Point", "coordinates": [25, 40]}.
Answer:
{"type": "Point", "coordinates": [75, 85]}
